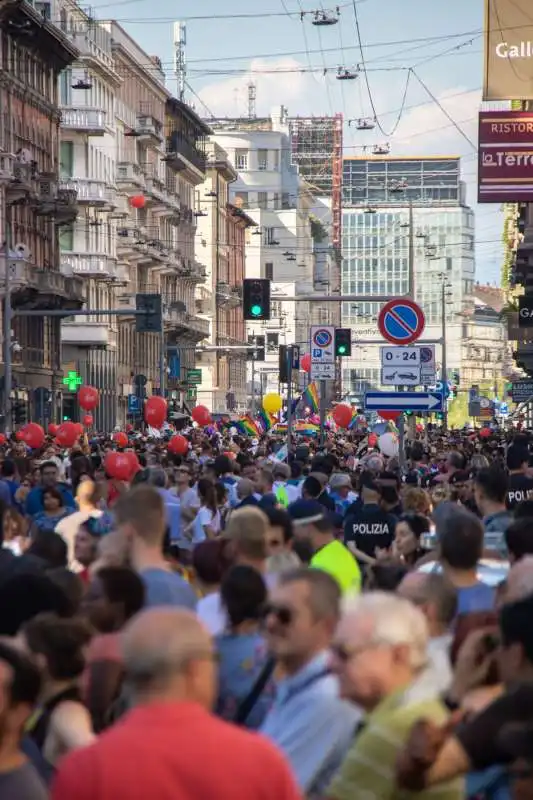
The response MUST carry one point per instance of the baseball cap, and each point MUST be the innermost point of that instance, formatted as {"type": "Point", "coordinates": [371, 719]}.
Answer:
{"type": "Point", "coordinates": [305, 512]}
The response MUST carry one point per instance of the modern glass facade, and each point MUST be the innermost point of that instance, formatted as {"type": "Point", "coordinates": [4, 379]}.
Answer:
{"type": "Point", "coordinates": [375, 251]}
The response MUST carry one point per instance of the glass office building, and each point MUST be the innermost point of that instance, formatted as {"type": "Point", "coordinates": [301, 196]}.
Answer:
{"type": "Point", "coordinates": [378, 194]}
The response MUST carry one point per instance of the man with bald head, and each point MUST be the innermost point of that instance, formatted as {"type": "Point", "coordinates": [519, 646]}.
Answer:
{"type": "Point", "coordinates": [436, 596]}
{"type": "Point", "coordinates": [170, 746]}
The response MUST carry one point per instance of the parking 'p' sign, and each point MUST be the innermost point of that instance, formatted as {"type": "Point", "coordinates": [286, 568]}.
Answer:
{"type": "Point", "coordinates": [401, 321]}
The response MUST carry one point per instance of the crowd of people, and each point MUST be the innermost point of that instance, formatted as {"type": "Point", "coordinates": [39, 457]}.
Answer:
{"type": "Point", "coordinates": [228, 624]}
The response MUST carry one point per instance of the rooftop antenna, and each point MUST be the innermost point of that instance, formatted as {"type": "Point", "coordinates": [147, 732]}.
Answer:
{"type": "Point", "coordinates": [180, 62]}
{"type": "Point", "coordinates": [252, 94]}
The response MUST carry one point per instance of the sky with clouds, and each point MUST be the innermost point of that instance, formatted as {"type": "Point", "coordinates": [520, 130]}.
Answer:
{"type": "Point", "coordinates": [293, 63]}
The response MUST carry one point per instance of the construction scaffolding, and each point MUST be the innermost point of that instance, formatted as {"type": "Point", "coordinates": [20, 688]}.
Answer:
{"type": "Point", "coordinates": [316, 149]}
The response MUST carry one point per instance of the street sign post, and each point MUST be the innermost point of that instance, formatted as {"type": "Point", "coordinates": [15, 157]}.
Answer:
{"type": "Point", "coordinates": [428, 367]}
{"type": "Point", "coordinates": [322, 349]}
{"type": "Point", "coordinates": [403, 401]}
{"type": "Point", "coordinates": [400, 356]}
{"type": "Point", "coordinates": [401, 321]}
{"type": "Point", "coordinates": [521, 391]}
{"type": "Point", "coordinates": [400, 376]}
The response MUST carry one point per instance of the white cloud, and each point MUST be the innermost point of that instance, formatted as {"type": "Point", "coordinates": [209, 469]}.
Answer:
{"type": "Point", "coordinates": [277, 83]}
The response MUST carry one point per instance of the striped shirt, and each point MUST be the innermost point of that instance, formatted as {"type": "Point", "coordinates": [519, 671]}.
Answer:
{"type": "Point", "coordinates": [368, 771]}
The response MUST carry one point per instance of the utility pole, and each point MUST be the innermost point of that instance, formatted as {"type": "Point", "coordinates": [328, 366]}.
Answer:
{"type": "Point", "coordinates": [444, 370]}
{"type": "Point", "coordinates": [290, 361]}
{"type": "Point", "coordinates": [162, 358]}
{"type": "Point", "coordinates": [322, 407]}
{"type": "Point", "coordinates": [411, 252]}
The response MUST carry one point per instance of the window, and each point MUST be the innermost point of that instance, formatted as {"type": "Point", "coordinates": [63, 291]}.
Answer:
{"type": "Point", "coordinates": [272, 342]}
{"type": "Point", "coordinates": [241, 159]}
{"type": "Point", "coordinates": [262, 199]}
{"type": "Point", "coordinates": [65, 87]}
{"type": "Point", "coordinates": [66, 159]}
{"type": "Point", "coordinates": [285, 200]}
{"type": "Point", "coordinates": [262, 160]}
{"type": "Point", "coordinates": [268, 236]}
{"type": "Point", "coordinates": [269, 271]}
{"type": "Point", "coordinates": [66, 238]}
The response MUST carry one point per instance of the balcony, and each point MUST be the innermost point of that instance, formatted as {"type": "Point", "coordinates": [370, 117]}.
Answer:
{"type": "Point", "coordinates": [33, 287]}
{"type": "Point", "coordinates": [88, 265]}
{"type": "Point", "coordinates": [91, 193]}
{"type": "Point", "coordinates": [87, 334]}
{"type": "Point", "coordinates": [55, 201]}
{"type": "Point", "coordinates": [182, 156]}
{"type": "Point", "coordinates": [183, 324]}
{"type": "Point", "coordinates": [90, 121]}
{"type": "Point", "coordinates": [148, 129]}
{"type": "Point", "coordinates": [94, 55]}
{"type": "Point", "coordinates": [130, 177]}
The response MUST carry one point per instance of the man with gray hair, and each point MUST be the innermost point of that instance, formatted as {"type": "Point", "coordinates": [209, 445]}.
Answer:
{"type": "Point", "coordinates": [379, 651]}
{"type": "Point", "coordinates": [161, 747]}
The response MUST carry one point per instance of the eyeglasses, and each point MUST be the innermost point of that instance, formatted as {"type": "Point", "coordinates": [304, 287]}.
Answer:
{"type": "Point", "coordinates": [283, 614]}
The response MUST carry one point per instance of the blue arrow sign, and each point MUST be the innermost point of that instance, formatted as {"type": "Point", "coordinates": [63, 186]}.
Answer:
{"type": "Point", "coordinates": [403, 401]}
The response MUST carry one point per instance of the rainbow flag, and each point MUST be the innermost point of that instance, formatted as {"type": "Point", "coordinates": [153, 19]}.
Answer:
{"type": "Point", "coordinates": [310, 397]}
{"type": "Point", "coordinates": [267, 420]}
{"type": "Point", "coordinates": [248, 426]}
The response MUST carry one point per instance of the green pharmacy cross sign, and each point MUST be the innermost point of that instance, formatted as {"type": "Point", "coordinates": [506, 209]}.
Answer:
{"type": "Point", "coordinates": [72, 380]}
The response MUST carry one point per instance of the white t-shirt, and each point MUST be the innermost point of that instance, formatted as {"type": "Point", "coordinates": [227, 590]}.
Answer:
{"type": "Point", "coordinates": [69, 527]}
{"type": "Point", "coordinates": [205, 517]}
{"type": "Point", "coordinates": [211, 613]}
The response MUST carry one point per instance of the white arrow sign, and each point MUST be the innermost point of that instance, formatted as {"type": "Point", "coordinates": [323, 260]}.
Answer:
{"type": "Point", "coordinates": [398, 401]}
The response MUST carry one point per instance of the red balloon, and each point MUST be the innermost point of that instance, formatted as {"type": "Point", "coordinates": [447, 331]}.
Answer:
{"type": "Point", "coordinates": [131, 455]}
{"type": "Point", "coordinates": [20, 434]}
{"type": "Point", "coordinates": [372, 439]}
{"type": "Point", "coordinates": [120, 439]}
{"type": "Point", "coordinates": [33, 435]}
{"type": "Point", "coordinates": [342, 414]}
{"type": "Point", "coordinates": [419, 428]}
{"type": "Point", "coordinates": [485, 433]}
{"type": "Point", "coordinates": [87, 420]}
{"type": "Point", "coordinates": [3, 439]}
{"type": "Point", "coordinates": [230, 454]}
{"type": "Point", "coordinates": [388, 415]}
{"type": "Point", "coordinates": [88, 398]}
{"type": "Point", "coordinates": [67, 434]}
{"type": "Point", "coordinates": [201, 415]}
{"type": "Point", "coordinates": [118, 465]}
{"type": "Point", "coordinates": [178, 445]}
{"type": "Point", "coordinates": [305, 362]}
{"type": "Point", "coordinates": [52, 429]}
{"type": "Point", "coordinates": [155, 411]}
{"type": "Point", "coordinates": [137, 201]}
{"type": "Point", "coordinates": [79, 428]}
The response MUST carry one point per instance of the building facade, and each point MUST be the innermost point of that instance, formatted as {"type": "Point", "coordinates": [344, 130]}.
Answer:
{"type": "Point", "coordinates": [398, 210]}
{"type": "Point", "coordinates": [134, 155]}
{"type": "Point", "coordinates": [486, 351]}
{"type": "Point", "coordinates": [34, 205]}
{"type": "Point", "coordinates": [280, 248]}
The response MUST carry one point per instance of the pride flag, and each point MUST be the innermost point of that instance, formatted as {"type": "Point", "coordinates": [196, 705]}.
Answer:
{"type": "Point", "coordinates": [267, 420]}
{"type": "Point", "coordinates": [310, 397]}
{"type": "Point", "coordinates": [248, 426]}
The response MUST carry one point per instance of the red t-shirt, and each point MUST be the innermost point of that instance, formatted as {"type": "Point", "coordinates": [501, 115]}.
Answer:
{"type": "Point", "coordinates": [175, 751]}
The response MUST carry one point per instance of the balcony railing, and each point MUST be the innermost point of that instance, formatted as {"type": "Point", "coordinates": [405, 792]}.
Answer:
{"type": "Point", "coordinates": [86, 334]}
{"type": "Point", "coordinates": [129, 174]}
{"type": "Point", "coordinates": [95, 265]}
{"type": "Point", "coordinates": [178, 148]}
{"type": "Point", "coordinates": [90, 50]}
{"type": "Point", "coordinates": [85, 120]}
{"type": "Point", "coordinates": [91, 192]}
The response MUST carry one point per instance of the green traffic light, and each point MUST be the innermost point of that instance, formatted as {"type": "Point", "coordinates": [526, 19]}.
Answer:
{"type": "Point", "coordinates": [342, 350]}
{"type": "Point", "coordinates": [256, 311]}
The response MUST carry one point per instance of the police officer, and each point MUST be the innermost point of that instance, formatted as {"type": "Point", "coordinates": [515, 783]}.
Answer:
{"type": "Point", "coordinates": [368, 528]}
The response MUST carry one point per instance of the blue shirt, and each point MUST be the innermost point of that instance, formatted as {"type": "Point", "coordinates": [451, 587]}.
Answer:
{"type": "Point", "coordinates": [479, 597]}
{"type": "Point", "coordinates": [165, 588]}
{"type": "Point", "coordinates": [34, 501]}
{"type": "Point", "coordinates": [312, 725]}
{"type": "Point", "coordinates": [173, 513]}
{"type": "Point", "coordinates": [242, 657]}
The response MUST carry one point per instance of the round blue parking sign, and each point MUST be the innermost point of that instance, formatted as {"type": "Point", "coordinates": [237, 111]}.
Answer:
{"type": "Point", "coordinates": [322, 338]}
{"type": "Point", "coordinates": [401, 321]}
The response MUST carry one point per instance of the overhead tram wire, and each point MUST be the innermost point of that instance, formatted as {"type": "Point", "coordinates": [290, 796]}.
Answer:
{"type": "Point", "coordinates": [446, 114]}
{"type": "Point", "coordinates": [390, 133]}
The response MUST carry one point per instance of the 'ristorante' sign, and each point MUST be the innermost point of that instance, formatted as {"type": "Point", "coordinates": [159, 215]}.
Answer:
{"type": "Point", "coordinates": [508, 50]}
{"type": "Point", "coordinates": [505, 167]}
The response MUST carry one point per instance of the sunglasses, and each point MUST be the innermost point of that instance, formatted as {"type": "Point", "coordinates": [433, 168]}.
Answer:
{"type": "Point", "coordinates": [283, 614]}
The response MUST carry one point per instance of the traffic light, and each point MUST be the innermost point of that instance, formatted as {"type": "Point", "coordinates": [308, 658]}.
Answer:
{"type": "Point", "coordinates": [256, 299]}
{"type": "Point", "coordinates": [20, 412]}
{"type": "Point", "coordinates": [150, 319]}
{"type": "Point", "coordinates": [343, 342]}
{"type": "Point", "coordinates": [258, 353]}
